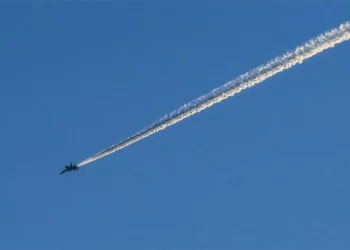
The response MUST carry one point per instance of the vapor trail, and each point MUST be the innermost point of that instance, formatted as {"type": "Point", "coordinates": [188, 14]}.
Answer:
{"type": "Point", "coordinates": [312, 47]}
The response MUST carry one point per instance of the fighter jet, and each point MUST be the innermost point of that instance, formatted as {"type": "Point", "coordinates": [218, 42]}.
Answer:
{"type": "Point", "coordinates": [70, 168]}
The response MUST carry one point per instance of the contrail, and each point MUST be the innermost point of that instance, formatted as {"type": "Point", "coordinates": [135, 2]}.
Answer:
{"type": "Point", "coordinates": [310, 48]}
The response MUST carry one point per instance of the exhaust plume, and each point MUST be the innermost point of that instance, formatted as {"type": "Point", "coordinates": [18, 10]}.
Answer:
{"type": "Point", "coordinates": [312, 47]}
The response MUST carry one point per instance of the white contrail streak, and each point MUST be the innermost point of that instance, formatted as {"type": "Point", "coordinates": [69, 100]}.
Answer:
{"type": "Point", "coordinates": [312, 47]}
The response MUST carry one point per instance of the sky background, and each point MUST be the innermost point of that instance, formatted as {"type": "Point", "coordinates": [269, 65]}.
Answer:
{"type": "Point", "coordinates": [265, 169]}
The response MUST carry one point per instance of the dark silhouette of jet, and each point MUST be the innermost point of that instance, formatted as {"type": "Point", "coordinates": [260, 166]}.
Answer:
{"type": "Point", "coordinates": [70, 168]}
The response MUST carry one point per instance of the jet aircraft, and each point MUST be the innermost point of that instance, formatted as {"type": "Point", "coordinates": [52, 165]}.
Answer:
{"type": "Point", "coordinates": [70, 168]}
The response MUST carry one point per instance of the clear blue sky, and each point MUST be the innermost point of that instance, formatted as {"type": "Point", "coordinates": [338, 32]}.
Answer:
{"type": "Point", "coordinates": [266, 169]}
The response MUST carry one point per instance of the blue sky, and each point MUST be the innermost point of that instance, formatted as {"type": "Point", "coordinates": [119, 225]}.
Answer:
{"type": "Point", "coordinates": [265, 169]}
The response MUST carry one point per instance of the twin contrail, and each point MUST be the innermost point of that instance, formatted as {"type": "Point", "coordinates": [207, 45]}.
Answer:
{"type": "Point", "coordinates": [312, 47]}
